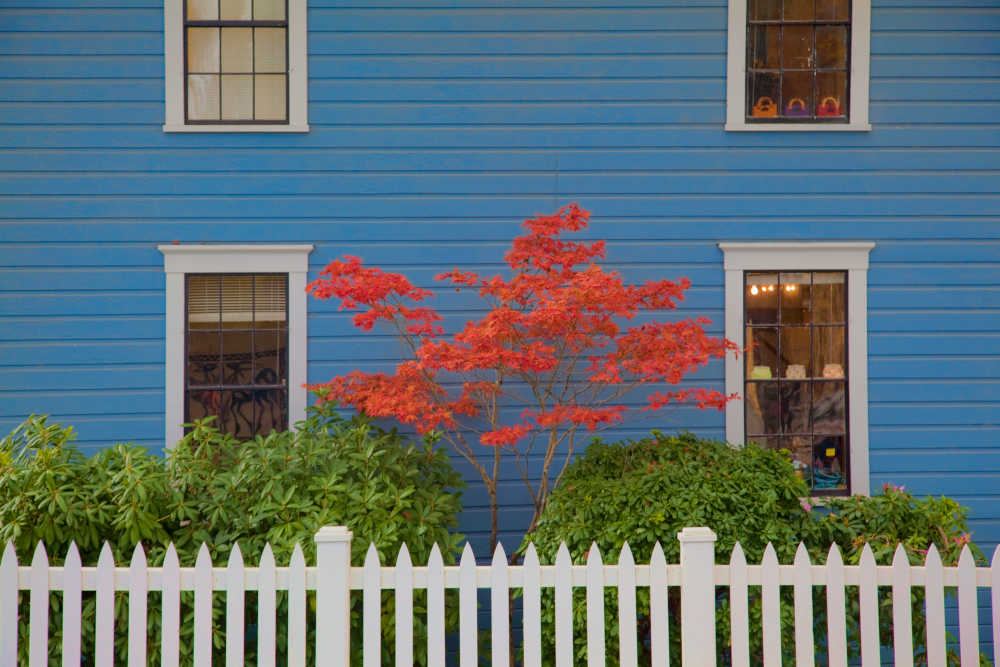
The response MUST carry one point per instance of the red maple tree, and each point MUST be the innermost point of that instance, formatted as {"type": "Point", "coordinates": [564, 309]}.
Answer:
{"type": "Point", "coordinates": [552, 340]}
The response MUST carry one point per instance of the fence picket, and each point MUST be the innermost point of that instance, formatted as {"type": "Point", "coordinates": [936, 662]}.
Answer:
{"type": "Point", "coordinates": [564, 607]}
{"type": "Point", "coordinates": [868, 599]}
{"type": "Point", "coordinates": [371, 630]}
{"type": "Point", "coordinates": [267, 603]}
{"type": "Point", "coordinates": [968, 615]}
{"type": "Point", "coordinates": [171, 626]}
{"type": "Point", "coordinates": [203, 608]}
{"type": "Point", "coordinates": [138, 592]}
{"type": "Point", "coordinates": [739, 619]}
{"type": "Point", "coordinates": [902, 620]}
{"type": "Point", "coordinates": [435, 608]}
{"type": "Point", "coordinates": [595, 608]}
{"type": "Point", "coordinates": [297, 608]}
{"type": "Point", "coordinates": [467, 612]}
{"type": "Point", "coordinates": [72, 598]}
{"type": "Point", "coordinates": [802, 587]}
{"type": "Point", "coordinates": [38, 638]}
{"type": "Point", "coordinates": [235, 606]}
{"type": "Point", "coordinates": [532, 616]}
{"type": "Point", "coordinates": [8, 606]}
{"type": "Point", "coordinates": [499, 609]}
{"type": "Point", "coordinates": [770, 607]}
{"type": "Point", "coordinates": [995, 601]}
{"type": "Point", "coordinates": [627, 642]}
{"type": "Point", "coordinates": [659, 619]}
{"type": "Point", "coordinates": [404, 608]}
{"type": "Point", "coordinates": [934, 604]}
{"type": "Point", "coordinates": [836, 622]}
{"type": "Point", "coordinates": [104, 639]}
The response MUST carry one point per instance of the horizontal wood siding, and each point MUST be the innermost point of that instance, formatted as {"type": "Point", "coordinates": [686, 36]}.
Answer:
{"type": "Point", "coordinates": [436, 127]}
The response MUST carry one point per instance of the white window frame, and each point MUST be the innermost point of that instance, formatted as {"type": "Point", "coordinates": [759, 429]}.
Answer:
{"type": "Point", "coordinates": [298, 75]}
{"type": "Point", "coordinates": [736, 75]}
{"type": "Point", "coordinates": [849, 256]}
{"type": "Point", "coordinates": [179, 260]}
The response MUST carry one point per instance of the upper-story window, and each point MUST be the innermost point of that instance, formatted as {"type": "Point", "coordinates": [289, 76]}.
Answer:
{"type": "Point", "coordinates": [235, 65]}
{"type": "Point", "coordinates": [798, 65]}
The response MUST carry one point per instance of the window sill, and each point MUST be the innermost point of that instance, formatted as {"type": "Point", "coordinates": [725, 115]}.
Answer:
{"type": "Point", "coordinates": [798, 127]}
{"type": "Point", "coordinates": [258, 129]}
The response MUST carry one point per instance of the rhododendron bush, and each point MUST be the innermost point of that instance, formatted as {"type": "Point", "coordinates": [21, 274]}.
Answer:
{"type": "Point", "coordinates": [553, 339]}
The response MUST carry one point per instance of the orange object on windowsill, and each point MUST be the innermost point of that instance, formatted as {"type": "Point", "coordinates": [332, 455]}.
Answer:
{"type": "Point", "coordinates": [765, 108]}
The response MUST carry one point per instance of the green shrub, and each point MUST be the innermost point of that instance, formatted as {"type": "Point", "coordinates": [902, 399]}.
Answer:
{"type": "Point", "coordinates": [646, 491]}
{"type": "Point", "coordinates": [279, 489]}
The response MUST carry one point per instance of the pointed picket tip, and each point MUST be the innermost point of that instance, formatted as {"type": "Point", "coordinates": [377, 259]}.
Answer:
{"type": "Point", "coordinates": [435, 559]}
{"type": "Point", "coordinates": [562, 553]}
{"type": "Point", "coordinates": [298, 558]}
{"type": "Point", "coordinates": [170, 558]}
{"type": "Point", "coordinates": [40, 556]}
{"type": "Point", "coordinates": [9, 554]}
{"type": "Point", "coordinates": [657, 557]}
{"type": "Point", "coordinates": [802, 555]}
{"type": "Point", "coordinates": [965, 559]}
{"type": "Point", "coordinates": [899, 555]}
{"type": "Point", "coordinates": [404, 556]}
{"type": "Point", "coordinates": [467, 554]}
{"type": "Point", "coordinates": [833, 556]}
{"type": "Point", "coordinates": [993, 563]}
{"type": "Point", "coordinates": [867, 555]}
{"type": "Point", "coordinates": [73, 556]}
{"type": "Point", "coordinates": [106, 558]}
{"type": "Point", "coordinates": [738, 557]}
{"type": "Point", "coordinates": [204, 559]}
{"type": "Point", "coordinates": [371, 556]}
{"type": "Point", "coordinates": [267, 556]}
{"type": "Point", "coordinates": [933, 557]}
{"type": "Point", "coordinates": [625, 556]}
{"type": "Point", "coordinates": [594, 552]}
{"type": "Point", "coordinates": [235, 556]}
{"type": "Point", "coordinates": [531, 556]}
{"type": "Point", "coordinates": [138, 556]}
{"type": "Point", "coordinates": [770, 555]}
{"type": "Point", "coordinates": [499, 555]}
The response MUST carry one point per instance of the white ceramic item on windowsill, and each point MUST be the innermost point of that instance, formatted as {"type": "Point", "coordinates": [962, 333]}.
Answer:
{"type": "Point", "coordinates": [795, 372]}
{"type": "Point", "coordinates": [833, 372]}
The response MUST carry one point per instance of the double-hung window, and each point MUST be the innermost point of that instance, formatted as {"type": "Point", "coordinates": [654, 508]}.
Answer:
{"type": "Point", "coordinates": [800, 312]}
{"type": "Point", "coordinates": [235, 65]}
{"type": "Point", "coordinates": [798, 65]}
{"type": "Point", "coordinates": [235, 337]}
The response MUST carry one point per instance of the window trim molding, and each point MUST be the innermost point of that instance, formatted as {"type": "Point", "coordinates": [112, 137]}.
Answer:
{"type": "Point", "coordinates": [850, 256]}
{"type": "Point", "coordinates": [298, 74]}
{"type": "Point", "coordinates": [736, 75]}
{"type": "Point", "coordinates": [179, 260]}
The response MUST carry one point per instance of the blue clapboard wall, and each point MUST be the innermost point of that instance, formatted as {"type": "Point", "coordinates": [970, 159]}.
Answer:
{"type": "Point", "coordinates": [436, 128]}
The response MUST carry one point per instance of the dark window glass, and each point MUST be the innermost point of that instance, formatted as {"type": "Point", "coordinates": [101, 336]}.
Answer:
{"type": "Point", "coordinates": [236, 61]}
{"type": "Point", "coordinates": [798, 60]}
{"type": "Point", "coordinates": [796, 371]}
{"type": "Point", "coordinates": [236, 343]}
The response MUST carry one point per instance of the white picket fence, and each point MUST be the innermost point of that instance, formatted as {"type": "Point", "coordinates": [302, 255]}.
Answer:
{"type": "Point", "coordinates": [333, 579]}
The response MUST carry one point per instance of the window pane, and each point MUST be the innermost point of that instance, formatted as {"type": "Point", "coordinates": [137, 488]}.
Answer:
{"type": "Point", "coordinates": [235, 10]}
{"type": "Point", "coordinates": [237, 302]}
{"type": "Point", "coordinates": [204, 358]}
{"type": "Point", "coordinates": [239, 413]}
{"type": "Point", "coordinates": [796, 46]}
{"type": "Point", "coordinates": [204, 403]}
{"type": "Point", "coordinates": [800, 449]}
{"type": "Point", "coordinates": [796, 94]}
{"type": "Point", "coordinates": [203, 302]}
{"type": "Point", "coordinates": [828, 407]}
{"type": "Point", "coordinates": [270, 302]}
{"type": "Point", "coordinates": [831, 91]}
{"type": "Point", "coordinates": [270, 411]}
{"type": "Point", "coordinates": [764, 46]}
{"type": "Point", "coordinates": [798, 10]}
{"type": "Point", "coordinates": [829, 352]}
{"type": "Point", "coordinates": [762, 408]}
{"type": "Point", "coordinates": [831, 46]}
{"type": "Point", "coordinates": [836, 10]}
{"type": "Point", "coordinates": [266, 354]}
{"type": "Point", "coordinates": [796, 400]}
{"type": "Point", "coordinates": [203, 97]}
{"type": "Point", "coordinates": [765, 95]}
{"type": "Point", "coordinates": [202, 10]}
{"type": "Point", "coordinates": [269, 10]}
{"type": "Point", "coordinates": [236, 357]}
{"type": "Point", "coordinates": [762, 353]}
{"type": "Point", "coordinates": [762, 298]}
{"type": "Point", "coordinates": [237, 50]}
{"type": "Point", "coordinates": [269, 50]}
{"type": "Point", "coordinates": [830, 463]}
{"type": "Point", "coordinates": [237, 97]}
{"type": "Point", "coordinates": [828, 298]}
{"type": "Point", "coordinates": [203, 49]}
{"type": "Point", "coordinates": [795, 352]}
{"type": "Point", "coordinates": [269, 97]}
{"type": "Point", "coordinates": [794, 292]}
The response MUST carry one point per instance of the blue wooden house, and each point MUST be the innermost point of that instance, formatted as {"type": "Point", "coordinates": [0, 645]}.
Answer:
{"type": "Point", "coordinates": [824, 171]}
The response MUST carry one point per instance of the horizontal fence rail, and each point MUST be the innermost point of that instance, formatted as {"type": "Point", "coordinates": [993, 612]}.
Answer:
{"type": "Point", "coordinates": [25, 597]}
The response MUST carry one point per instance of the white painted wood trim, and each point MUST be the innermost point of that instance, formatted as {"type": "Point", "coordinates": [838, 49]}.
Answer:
{"type": "Point", "coordinates": [849, 256]}
{"type": "Point", "coordinates": [181, 259]}
{"type": "Point", "coordinates": [298, 73]}
{"type": "Point", "coordinates": [736, 72]}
